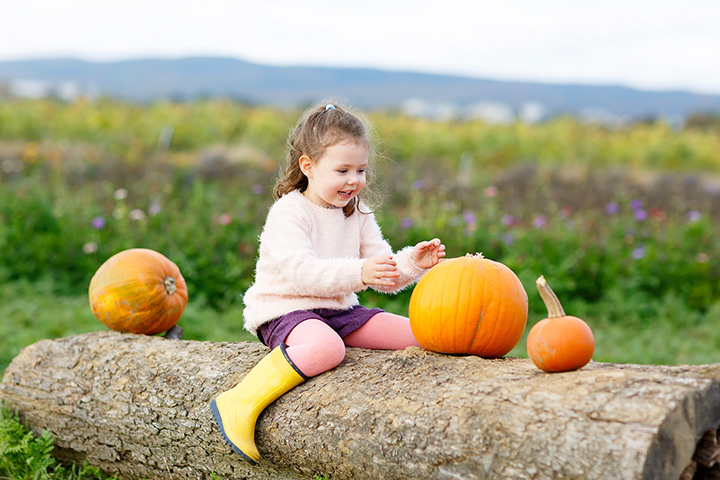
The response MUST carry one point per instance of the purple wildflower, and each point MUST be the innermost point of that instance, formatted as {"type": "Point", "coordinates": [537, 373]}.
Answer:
{"type": "Point", "coordinates": [258, 189]}
{"type": "Point", "coordinates": [508, 220]}
{"type": "Point", "coordinates": [469, 217]}
{"type": "Point", "coordinates": [694, 216]}
{"type": "Point", "coordinates": [539, 221]}
{"type": "Point", "coordinates": [641, 215]}
{"type": "Point", "coordinates": [154, 209]}
{"type": "Point", "coordinates": [638, 252]}
{"type": "Point", "coordinates": [98, 223]}
{"type": "Point", "coordinates": [611, 208]}
{"type": "Point", "coordinates": [406, 222]}
{"type": "Point", "coordinates": [508, 239]}
{"type": "Point", "coordinates": [418, 184]}
{"type": "Point", "coordinates": [636, 205]}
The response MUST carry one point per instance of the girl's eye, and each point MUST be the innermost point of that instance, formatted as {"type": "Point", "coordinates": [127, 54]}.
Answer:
{"type": "Point", "coordinates": [361, 171]}
{"type": "Point", "coordinates": [342, 170]}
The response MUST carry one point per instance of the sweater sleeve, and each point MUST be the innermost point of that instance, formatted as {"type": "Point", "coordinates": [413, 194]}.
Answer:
{"type": "Point", "coordinates": [373, 243]}
{"type": "Point", "coordinates": [287, 245]}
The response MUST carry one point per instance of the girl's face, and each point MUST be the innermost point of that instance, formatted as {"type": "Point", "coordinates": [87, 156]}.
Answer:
{"type": "Point", "coordinates": [338, 176]}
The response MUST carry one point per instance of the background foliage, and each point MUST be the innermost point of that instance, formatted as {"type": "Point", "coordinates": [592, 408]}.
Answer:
{"type": "Point", "coordinates": [620, 221]}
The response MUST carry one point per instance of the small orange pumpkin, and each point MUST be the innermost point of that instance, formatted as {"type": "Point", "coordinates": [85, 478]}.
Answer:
{"type": "Point", "coordinates": [469, 305]}
{"type": "Point", "coordinates": [138, 291]}
{"type": "Point", "coordinates": [559, 343]}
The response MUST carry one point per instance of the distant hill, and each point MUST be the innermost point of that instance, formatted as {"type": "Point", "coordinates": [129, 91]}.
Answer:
{"type": "Point", "coordinates": [185, 78]}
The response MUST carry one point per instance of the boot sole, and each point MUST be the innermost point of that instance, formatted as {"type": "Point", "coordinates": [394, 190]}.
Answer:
{"type": "Point", "coordinates": [218, 421]}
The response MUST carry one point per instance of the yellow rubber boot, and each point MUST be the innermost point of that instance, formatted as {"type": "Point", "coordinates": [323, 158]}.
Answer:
{"type": "Point", "coordinates": [236, 411]}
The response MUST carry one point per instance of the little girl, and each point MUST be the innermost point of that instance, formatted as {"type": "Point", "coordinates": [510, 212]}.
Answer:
{"type": "Point", "coordinates": [320, 244]}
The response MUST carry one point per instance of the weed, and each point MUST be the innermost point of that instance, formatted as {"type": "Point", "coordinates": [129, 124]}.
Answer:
{"type": "Point", "coordinates": [24, 455]}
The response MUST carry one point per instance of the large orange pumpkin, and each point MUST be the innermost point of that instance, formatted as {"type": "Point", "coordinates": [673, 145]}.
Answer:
{"type": "Point", "coordinates": [560, 342]}
{"type": "Point", "coordinates": [469, 305]}
{"type": "Point", "coordinates": [138, 291]}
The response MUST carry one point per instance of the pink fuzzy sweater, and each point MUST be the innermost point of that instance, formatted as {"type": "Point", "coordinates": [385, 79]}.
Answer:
{"type": "Point", "coordinates": [311, 257]}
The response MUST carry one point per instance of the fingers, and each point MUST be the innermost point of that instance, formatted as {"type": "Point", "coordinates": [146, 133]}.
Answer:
{"type": "Point", "coordinates": [380, 271]}
{"type": "Point", "coordinates": [385, 270]}
{"type": "Point", "coordinates": [435, 243]}
{"type": "Point", "coordinates": [385, 261]}
{"type": "Point", "coordinates": [384, 264]}
{"type": "Point", "coordinates": [439, 247]}
{"type": "Point", "coordinates": [429, 253]}
{"type": "Point", "coordinates": [382, 282]}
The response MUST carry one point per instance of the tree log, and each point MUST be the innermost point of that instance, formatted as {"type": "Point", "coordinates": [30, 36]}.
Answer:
{"type": "Point", "coordinates": [138, 406]}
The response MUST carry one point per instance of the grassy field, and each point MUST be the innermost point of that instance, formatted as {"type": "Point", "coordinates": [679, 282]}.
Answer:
{"type": "Point", "coordinates": [622, 222]}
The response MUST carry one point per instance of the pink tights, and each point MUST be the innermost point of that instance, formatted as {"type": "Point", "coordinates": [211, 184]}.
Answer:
{"type": "Point", "coordinates": [315, 348]}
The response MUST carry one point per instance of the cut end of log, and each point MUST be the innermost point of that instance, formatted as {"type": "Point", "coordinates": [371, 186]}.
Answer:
{"type": "Point", "coordinates": [705, 464]}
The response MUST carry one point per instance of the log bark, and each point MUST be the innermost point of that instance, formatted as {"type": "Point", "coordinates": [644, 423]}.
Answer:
{"type": "Point", "coordinates": [138, 406]}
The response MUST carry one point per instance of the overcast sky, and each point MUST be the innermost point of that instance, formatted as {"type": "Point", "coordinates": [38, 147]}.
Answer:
{"type": "Point", "coordinates": [648, 44]}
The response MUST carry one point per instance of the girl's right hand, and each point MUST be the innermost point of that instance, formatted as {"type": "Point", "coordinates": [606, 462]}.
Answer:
{"type": "Point", "coordinates": [379, 270]}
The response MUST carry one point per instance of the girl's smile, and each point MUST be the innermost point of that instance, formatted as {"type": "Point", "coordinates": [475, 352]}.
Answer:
{"type": "Point", "coordinates": [338, 176]}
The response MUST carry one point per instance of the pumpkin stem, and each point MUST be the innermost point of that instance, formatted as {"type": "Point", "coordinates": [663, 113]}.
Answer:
{"type": "Point", "coordinates": [170, 286]}
{"type": "Point", "coordinates": [554, 307]}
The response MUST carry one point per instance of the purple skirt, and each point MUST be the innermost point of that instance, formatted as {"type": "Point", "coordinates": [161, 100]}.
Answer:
{"type": "Point", "coordinates": [344, 322]}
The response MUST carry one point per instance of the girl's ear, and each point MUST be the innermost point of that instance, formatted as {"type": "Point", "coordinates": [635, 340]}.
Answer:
{"type": "Point", "coordinates": [305, 165]}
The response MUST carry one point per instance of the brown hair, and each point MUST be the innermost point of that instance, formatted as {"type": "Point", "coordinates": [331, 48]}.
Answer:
{"type": "Point", "coordinates": [321, 127]}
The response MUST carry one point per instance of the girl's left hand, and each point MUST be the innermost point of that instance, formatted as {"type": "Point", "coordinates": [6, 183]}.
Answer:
{"type": "Point", "coordinates": [428, 254]}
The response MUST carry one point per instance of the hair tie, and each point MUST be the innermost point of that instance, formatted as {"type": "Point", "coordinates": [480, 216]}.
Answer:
{"type": "Point", "coordinates": [329, 106]}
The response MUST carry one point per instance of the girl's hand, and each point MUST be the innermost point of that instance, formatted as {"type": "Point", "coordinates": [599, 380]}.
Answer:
{"type": "Point", "coordinates": [428, 254]}
{"type": "Point", "coordinates": [379, 270]}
